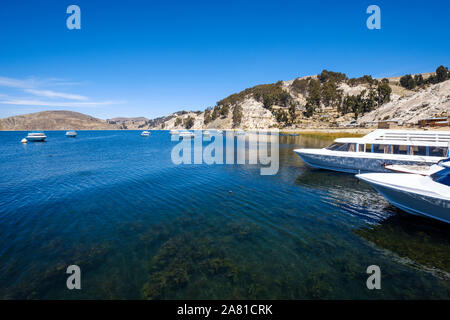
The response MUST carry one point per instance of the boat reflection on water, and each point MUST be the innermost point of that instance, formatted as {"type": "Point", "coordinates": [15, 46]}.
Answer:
{"type": "Point", "coordinates": [417, 241]}
{"type": "Point", "coordinates": [343, 191]}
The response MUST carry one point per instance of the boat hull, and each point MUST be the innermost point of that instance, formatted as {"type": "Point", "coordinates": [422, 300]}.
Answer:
{"type": "Point", "coordinates": [413, 203]}
{"type": "Point", "coordinates": [350, 164]}
{"type": "Point", "coordinates": [36, 139]}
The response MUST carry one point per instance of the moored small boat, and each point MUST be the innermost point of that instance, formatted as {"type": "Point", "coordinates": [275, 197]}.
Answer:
{"type": "Point", "coordinates": [186, 134]}
{"type": "Point", "coordinates": [36, 137]}
{"type": "Point", "coordinates": [71, 134]}
{"type": "Point", "coordinates": [427, 196]}
{"type": "Point", "coordinates": [145, 133]}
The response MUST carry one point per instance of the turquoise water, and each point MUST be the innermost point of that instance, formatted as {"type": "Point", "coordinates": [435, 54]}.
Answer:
{"type": "Point", "coordinates": [113, 203]}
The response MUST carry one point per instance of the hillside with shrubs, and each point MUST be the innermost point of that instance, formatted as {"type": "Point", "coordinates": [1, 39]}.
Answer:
{"type": "Point", "coordinates": [329, 99]}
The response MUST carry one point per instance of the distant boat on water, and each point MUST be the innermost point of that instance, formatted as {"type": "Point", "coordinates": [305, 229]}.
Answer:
{"type": "Point", "coordinates": [174, 131]}
{"type": "Point", "coordinates": [36, 137]}
{"type": "Point", "coordinates": [145, 133]}
{"type": "Point", "coordinates": [71, 134]}
{"type": "Point", "coordinates": [427, 196]}
{"type": "Point", "coordinates": [378, 149]}
{"type": "Point", "coordinates": [186, 134]}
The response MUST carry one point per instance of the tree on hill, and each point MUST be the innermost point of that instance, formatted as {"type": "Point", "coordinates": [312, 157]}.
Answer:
{"type": "Point", "coordinates": [224, 111]}
{"type": "Point", "coordinates": [281, 116]}
{"type": "Point", "coordinates": [215, 113]}
{"type": "Point", "coordinates": [336, 77]}
{"type": "Point", "coordinates": [418, 79]}
{"type": "Point", "coordinates": [237, 116]}
{"type": "Point", "coordinates": [188, 122]}
{"type": "Point", "coordinates": [178, 121]}
{"type": "Point", "coordinates": [301, 85]}
{"type": "Point", "coordinates": [407, 81]}
{"type": "Point", "coordinates": [441, 74]}
{"type": "Point", "coordinates": [384, 93]}
{"type": "Point", "coordinates": [207, 116]}
{"type": "Point", "coordinates": [292, 112]}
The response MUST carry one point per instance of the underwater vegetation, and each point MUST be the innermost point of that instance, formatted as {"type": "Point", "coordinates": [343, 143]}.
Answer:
{"type": "Point", "coordinates": [197, 259]}
{"type": "Point", "coordinates": [42, 281]}
{"type": "Point", "coordinates": [424, 243]}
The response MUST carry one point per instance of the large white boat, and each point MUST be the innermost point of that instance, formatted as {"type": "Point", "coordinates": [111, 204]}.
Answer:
{"type": "Point", "coordinates": [36, 136]}
{"type": "Point", "coordinates": [71, 134]}
{"type": "Point", "coordinates": [174, 131]}
{"type": "Point", "coordinates": [427, 196]}
{"type": "Point", "coordinates": [378, 149]}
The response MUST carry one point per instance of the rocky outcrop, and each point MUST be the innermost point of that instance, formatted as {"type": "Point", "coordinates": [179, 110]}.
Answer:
{"type": "Point", "coordinates": [433, 101]}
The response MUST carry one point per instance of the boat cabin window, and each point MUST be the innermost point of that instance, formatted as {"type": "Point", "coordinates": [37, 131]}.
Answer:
{"type": "Point", "coordinates": [442, 176]}
{"type": "Point", "coordinates": [418, 150]}
{"type": "Point", "coordinates": [399, 149]}
{"type": "Point", "coordinates": [378, 148]}
{"type": "Point", "coordinates": [438, 152]}
{"type": "Point", "coordinates": [350, 147]}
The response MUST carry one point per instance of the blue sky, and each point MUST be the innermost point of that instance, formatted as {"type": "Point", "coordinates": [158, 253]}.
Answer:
{"type": "Point", "coordinates": [151, 58]}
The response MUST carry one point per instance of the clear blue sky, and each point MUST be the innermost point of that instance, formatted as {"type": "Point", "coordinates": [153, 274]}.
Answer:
{"type": "Point", "coordinates": [151, 58]}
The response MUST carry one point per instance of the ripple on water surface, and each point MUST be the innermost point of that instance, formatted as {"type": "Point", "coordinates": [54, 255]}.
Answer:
{"type": "Point", "coordinates": [139, 226]}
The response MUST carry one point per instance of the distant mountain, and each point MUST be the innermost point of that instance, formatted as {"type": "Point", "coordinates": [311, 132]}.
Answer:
{"type": "Point", "coordinates": [54, 120]}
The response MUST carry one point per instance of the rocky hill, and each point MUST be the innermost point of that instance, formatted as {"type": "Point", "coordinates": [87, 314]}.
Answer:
{"type": "Point", "coordinates": [54, 120]}
{"type": "Point", "coordinates": [433, 101]}
{"type": "Point", "coordinates": [327, 100]}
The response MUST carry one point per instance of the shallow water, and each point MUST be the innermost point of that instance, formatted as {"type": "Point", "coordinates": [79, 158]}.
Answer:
{"type": "Point", "coordinates": [140, 226]}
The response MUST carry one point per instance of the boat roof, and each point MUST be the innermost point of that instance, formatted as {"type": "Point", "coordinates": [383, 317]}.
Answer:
{"type": "Point", "coordinates": [403, 137]}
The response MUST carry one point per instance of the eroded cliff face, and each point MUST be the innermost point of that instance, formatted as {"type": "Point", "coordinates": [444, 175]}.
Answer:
{"type": "Point", "coordinates": [433, 101]}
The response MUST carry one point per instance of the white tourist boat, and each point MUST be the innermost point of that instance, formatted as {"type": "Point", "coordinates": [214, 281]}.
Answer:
{"type": "Point", "coordinates": [427, 196]}
{"type": "Point", "coordinates": [174, 131]}
{"type": "Point", "coordinates": [71, 134]}
{"type": "Point", "coordinates": [378, 149]}
{"type": "Point", "coordinates": [36, 136]}
{"type": "Point", "coordinates": [145, 133]}
{"type": "Point", "coordinates": [186, 134]}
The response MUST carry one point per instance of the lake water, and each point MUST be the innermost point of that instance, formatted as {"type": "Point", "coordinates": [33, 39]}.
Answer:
{"type": "Point", "coordinates": [139, 226]}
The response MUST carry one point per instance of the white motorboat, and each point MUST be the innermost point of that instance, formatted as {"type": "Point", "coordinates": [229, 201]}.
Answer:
{"type": "Point", "coordinates": [240, 132]}
{"type": "Point", "coordinates": [415, 169]}
{"type": "Point", "coordinates": [378, 149]}
{"type": "Point", "coordinates": [174, 131]}
{"type": "Point", "coordinates": [145, 133]}
{"type": "Point", "coordinates": [36, 137]}
{"type": "Point", "coordinates": [427, 196]}
{"type": "Point", "coordinates": [206, 133]}
{"type": "Point", "coordinates": [186, 134]}
{"type": "Point", "coordinates": [71, 134]}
